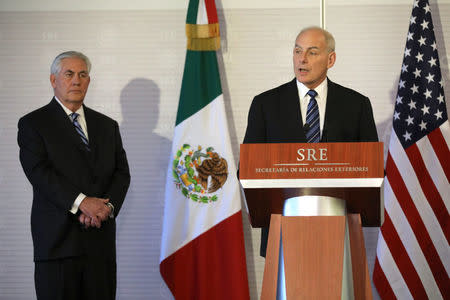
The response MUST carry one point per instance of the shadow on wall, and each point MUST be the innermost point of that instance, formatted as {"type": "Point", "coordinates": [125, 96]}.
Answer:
{"type": "Point", "coordinates": [141, 217]}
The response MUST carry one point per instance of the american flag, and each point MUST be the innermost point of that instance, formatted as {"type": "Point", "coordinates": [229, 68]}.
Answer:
{"type": "Point", "coordinates": [413, 253]}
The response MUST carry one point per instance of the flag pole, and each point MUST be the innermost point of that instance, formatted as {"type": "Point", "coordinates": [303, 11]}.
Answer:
{"type": "Point", "coordinates": [322, 14]}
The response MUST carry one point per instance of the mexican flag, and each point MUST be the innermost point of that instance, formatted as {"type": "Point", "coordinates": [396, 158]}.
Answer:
{"type": "Point", "coordinates": [202, 247]}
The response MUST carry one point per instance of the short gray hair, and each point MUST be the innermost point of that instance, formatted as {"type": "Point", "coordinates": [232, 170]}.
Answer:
{"type": "Point", "coordinates": [56, 64]}
{"type": "Point", "coordinates": [329, 39]}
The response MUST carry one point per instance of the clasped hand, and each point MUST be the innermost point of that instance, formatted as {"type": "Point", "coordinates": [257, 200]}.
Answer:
{"type": "Point", "coordinates": [94, 211]}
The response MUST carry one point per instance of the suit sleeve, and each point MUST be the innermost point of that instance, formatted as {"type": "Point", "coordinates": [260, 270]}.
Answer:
{"type": "Point", "coordinates": [120, 181]}
{"type": "Point", "coordinates": [367, 128]}
{"type": "Point", "coordinates": [44, 178]}
{"type": "Point", "coordinates": [256, 128]}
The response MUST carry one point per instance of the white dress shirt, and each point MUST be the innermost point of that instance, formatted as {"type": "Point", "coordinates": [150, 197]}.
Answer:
{"type": "Point", "coordinates": [82, 121]}
{"type": "Point", "coordinates": [321, 98]}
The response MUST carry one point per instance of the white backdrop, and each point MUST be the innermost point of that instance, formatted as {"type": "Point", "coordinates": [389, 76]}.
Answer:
{"type": "Point", "coordinates": [137, 49]}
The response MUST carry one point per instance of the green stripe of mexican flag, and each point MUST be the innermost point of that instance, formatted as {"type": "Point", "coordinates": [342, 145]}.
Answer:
{"type": "Point", "coordinates": [202, 246]}
{"type": "Point", "coordinates": [201, 83]}
{"type": "Point", "coordinates": [192, 11]}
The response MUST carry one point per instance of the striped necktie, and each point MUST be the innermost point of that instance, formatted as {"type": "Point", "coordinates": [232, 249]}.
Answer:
{"type": "Point", "coordinates": [73, 117]}
{"type": "Point", "coordinates": [313, 119]}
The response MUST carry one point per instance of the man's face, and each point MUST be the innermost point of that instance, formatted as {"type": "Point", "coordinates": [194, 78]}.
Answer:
{"type": "Point", "coordinates": [312, 58]}
{"type": "Point", "coordinates": [71, 83]}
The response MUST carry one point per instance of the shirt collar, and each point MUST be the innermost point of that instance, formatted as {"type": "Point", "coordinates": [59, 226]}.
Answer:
{"type": "Point", "coordinates": [79, 111]}
{"type": "Point", "coordinates": [321, 89]}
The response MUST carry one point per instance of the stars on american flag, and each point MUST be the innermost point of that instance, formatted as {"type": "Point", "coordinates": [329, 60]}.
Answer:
{"type": "Point", "coordinates": [434, 46]}
{"type": "Point", "coordinates": [425, 109]}
{"type": "Point", "coordinates": [419, 57]}
{"type": "Point", "coordinates": [420, 104]}
{"type": "Point", "coordinates": [407, 52]}
{"type": "Point", "coordinates": [407, 136]}
{"type": "Point", "coordinates": [422, 41]}
{"type": "Point", "coordinates": [410, 120]}
{"type": "Point", "coordinates": [404, 68]}
{"type": "Point", "coordinates": [427, 94]}
{"type": "Point", "coordinates": [410, 36]}
{"type": "Point", "coordinates": [424, 25]}
{"type": "Point", "coordinates": [423, 125]}
{"type": "Point", "coordinates": [432, 62]}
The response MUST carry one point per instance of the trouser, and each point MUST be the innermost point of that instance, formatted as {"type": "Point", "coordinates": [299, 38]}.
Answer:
{"type": "Point", "coordinates": [80, 277]}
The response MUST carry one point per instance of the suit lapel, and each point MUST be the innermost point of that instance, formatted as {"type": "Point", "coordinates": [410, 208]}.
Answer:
{"type": "Point", "coordinates": [65, 129]}
{"type": "Point", "coordinates": [331, 109]}
{"type": "Point", "coordinates": [293, 110]}
{"type": "Point", "coordinates": [63, 125]}
{"type": "Point", "coordinates": [93, 131]}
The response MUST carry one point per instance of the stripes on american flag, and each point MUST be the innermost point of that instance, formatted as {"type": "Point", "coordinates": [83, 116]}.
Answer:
{"type": "Point", "coordinates": [413, 253]}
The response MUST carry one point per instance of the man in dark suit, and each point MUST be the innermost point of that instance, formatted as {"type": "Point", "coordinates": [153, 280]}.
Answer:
{"type": "Point", "coordinates": [282, 114]}
{"type": "Point", "coordinates": [74, 159]}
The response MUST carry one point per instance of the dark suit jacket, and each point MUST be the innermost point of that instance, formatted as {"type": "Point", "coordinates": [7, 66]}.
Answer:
{"type": "Point", "coordinates": [275, 117]}
{"type": "Point", "coordinates": [59, 167]}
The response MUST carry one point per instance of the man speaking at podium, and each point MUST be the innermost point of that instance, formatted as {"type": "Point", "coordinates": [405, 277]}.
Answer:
{"type": "Point", "coordinates": [310, 108]}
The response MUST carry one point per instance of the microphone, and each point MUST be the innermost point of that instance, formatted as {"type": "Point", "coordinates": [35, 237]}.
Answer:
{"type": "Point", "coordinates": [305, 128]}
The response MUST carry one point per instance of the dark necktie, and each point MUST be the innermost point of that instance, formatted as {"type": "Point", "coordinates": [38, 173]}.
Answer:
{"type": "Point", "coordinates": [313, 119]}
{"type": "Point", "coordinates": [80, 132]}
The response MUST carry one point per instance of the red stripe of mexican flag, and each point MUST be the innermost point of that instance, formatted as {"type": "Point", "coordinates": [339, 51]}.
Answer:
{"type": "Point", "coordinates": [210, 266]}
{"type": "Point", "coordinates": [202, 246]}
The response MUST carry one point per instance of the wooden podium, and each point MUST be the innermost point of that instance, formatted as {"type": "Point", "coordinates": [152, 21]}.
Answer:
{"type": "Point", "coordinates": [313, 246]}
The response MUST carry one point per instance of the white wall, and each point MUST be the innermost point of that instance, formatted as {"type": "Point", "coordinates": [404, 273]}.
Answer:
{"type": "Point", "coordinates": [68, 5]}
{"type": "Point", "coordinates": [137, 49]}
